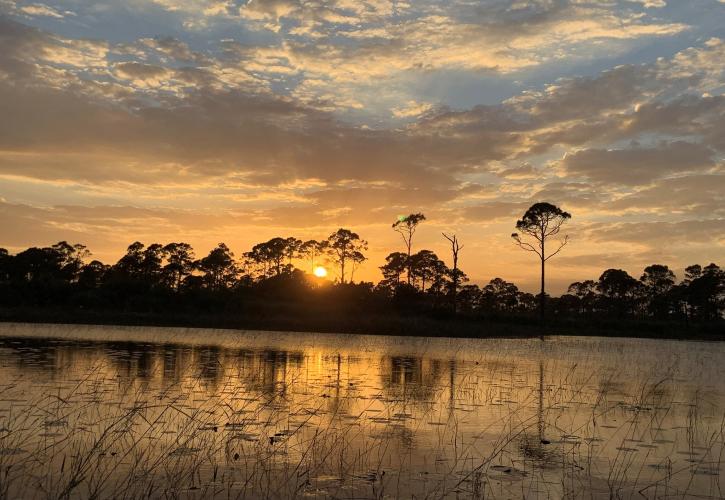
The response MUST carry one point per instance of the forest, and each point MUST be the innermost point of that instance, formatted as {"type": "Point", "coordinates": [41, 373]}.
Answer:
{"type": "Point", "coordinates": [278, 284]}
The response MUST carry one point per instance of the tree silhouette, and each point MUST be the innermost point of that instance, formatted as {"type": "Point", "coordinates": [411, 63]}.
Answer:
{"type": "Point", "coordinates": [6, 261]}
{"type": "Point", "coordinates": [292, 249]}
{"type": "Point", "coordinates": [586, 292]}
{"type": "Point", "coordinates": [469, 298]}
{"type": "Point", "coordinates": [706, 292]}
{"type": "Point", "coordinates": [540, 222]}
{"type": "Point", "coordinates": [455, 273]}
{"type": "Point", "coordinates": [151, 260]}
{"type": "Point", "coordinates": [271, 255]}
{"type": "Point", "coordinates": [683, 289]}
{"type": "Point", "coordinates": [441, 277]}
{"type": "Point", "coordinates": [425, 265]}
{"type": "Point", "coordinates": [619, 291]}
{"type": "Point", "coordinates": [658, 281]}
{"type": "Point", "coordinates": [179, 263]}
{"type": "Point", "coordinates": [257, 262]}
{"type": "Point", "coordinates": [92, 275]}
{"type": "Point", "coordinates": [406, 226]}
{"type": "Point", "coordinates": [345, 246]}
{"type": "Point", "coordinates": [395, 265]}
{"type": "Point", "coordinates": [356, 259]}
{"type": "Point", "coordinates": [500, 295]}
{"type": "Point", "coordinates": [219, 268]}
{"type": "Point", "coordinates": [692, 273]}
{"type": "Point", "coordinates": [37, 265]}
{"type": "Point", "coordinates": [165, 279]}
{"type": "Point", "coordinates": [311, 249]}
{"type": "Point", "coordinates": [130, 264]}
{"type": "Point", "coordinates": [71, 258]}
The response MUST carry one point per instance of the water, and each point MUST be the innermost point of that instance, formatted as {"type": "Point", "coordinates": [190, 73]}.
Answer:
{"type": "Point", "coordinates": [182, 413]}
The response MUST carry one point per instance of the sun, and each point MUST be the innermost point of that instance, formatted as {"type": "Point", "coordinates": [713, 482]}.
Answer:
{"type": "Point", "coordinates": [320, 272]}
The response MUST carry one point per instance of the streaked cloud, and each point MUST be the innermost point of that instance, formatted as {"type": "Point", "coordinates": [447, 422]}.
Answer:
{"type": "Point", "coordinates": [225, 117]}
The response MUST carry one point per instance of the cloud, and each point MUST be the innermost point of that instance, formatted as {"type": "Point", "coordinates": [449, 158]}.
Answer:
{"type": "Point", "coordinates": [309, 115]}
{"type": "Point", "coordinates": [525, 171]}
{"type": "Point", "coordinates": [459, 34]}
{"type": "Point", "coordinates": [173, 48]}
{"type": "Point", "coordinates": [412, 109]}
{"type": "Point", "coordinates": [695, 195]}
{"type": "Point", "coordinates": [208, 129]}
{"type": "Point", "coordinates": [141, 72]}
{"type": "Point", "coordinates": [263, 139]}
{"type": "Point", "coordinates": [340, 51]}
{"type": "Point", "coordinates": [638, 165]}
{"type": "Point", "coordinates": [572, 195]}
{"type": "Point", "coordinates": [494, 210]}
{"type": "Point", "coordinates": [200, 122]}
{"type": "Point", "coordinates": [651, 4]}
{"type": "Point", "coordinates": [39, 9]}
{"type": "Point", "coordinates": [653, 234]}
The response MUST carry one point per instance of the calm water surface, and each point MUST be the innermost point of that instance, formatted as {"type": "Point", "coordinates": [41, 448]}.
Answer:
{"type": "Point", "coordinates": [102, 412]}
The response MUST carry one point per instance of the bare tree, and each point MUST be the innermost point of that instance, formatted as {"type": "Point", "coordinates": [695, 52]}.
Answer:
{"type": "Point", "coordinates": [406, 226]}
{"type": "Point", "coordinates": [540, 222]}
{"type": "Point", "coordinates": [455, 274]}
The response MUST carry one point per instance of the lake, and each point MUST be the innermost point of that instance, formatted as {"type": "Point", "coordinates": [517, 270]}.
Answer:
{"type": "Point", "coordinates": [130, 412]}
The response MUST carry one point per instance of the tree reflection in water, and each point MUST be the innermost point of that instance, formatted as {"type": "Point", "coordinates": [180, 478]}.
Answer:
{"type": "Point", "coordinates": [333, 415]}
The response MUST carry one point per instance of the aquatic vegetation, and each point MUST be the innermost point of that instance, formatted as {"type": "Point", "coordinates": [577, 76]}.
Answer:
{"type": "Point", "coordinates": [95, 412]}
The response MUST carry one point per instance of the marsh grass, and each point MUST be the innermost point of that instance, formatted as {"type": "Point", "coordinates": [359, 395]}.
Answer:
{"type": "Point", "coordinates": [309, 416]}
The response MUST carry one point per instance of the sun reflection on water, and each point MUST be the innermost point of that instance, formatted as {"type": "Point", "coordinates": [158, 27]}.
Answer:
{"type": "Point", "coordinates": [329, 415]}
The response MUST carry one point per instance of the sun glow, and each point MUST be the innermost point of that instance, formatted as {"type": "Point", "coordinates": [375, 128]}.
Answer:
{"type": "Point", "coordinates": [320, 272]}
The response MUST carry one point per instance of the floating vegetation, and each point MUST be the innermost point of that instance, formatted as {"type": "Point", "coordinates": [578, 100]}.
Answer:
{"type": "Point", "coordinates": [506, 472]}
{"type": "Point", "coordinates": [707, 471]}
{"type": "Point", "coordinates": [183, 450]}
{"type": "Point", "coordinates": [11, 451]}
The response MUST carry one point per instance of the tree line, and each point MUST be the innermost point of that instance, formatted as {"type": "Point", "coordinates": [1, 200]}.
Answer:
{"type": "Point", "coordinates": [169, 277]}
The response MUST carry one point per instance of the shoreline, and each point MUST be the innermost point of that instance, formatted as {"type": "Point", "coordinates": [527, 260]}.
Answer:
{"type": "Point", "coordinates": [379, 325]}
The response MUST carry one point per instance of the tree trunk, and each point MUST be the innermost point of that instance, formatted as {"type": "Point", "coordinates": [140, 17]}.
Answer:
{"type": "Point", "coordinates": [541, 401]}
{"type": "Point", "coordinates": [408, 262]}
{"type": "Point", "coordinates": [542, 297]}
{"type": "Point", "coordinates": [455, 281]}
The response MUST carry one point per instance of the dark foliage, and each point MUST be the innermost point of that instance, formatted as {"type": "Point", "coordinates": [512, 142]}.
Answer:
{"type": "Point", "coordinates": [265, 287]}
{"type": "Point", "coordinates": [167, 279]}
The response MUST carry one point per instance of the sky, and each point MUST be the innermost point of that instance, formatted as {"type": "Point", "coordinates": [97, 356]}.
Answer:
{"type": "Point", "coordinates": [221, 120]}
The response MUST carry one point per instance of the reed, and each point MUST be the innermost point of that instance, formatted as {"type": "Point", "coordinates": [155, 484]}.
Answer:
{"type": "Point", "coordinates": [309, 416]}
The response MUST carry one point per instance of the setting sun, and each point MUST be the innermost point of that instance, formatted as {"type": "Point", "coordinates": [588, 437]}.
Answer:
{"type": "Point", "coordinates": [521, 204]}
